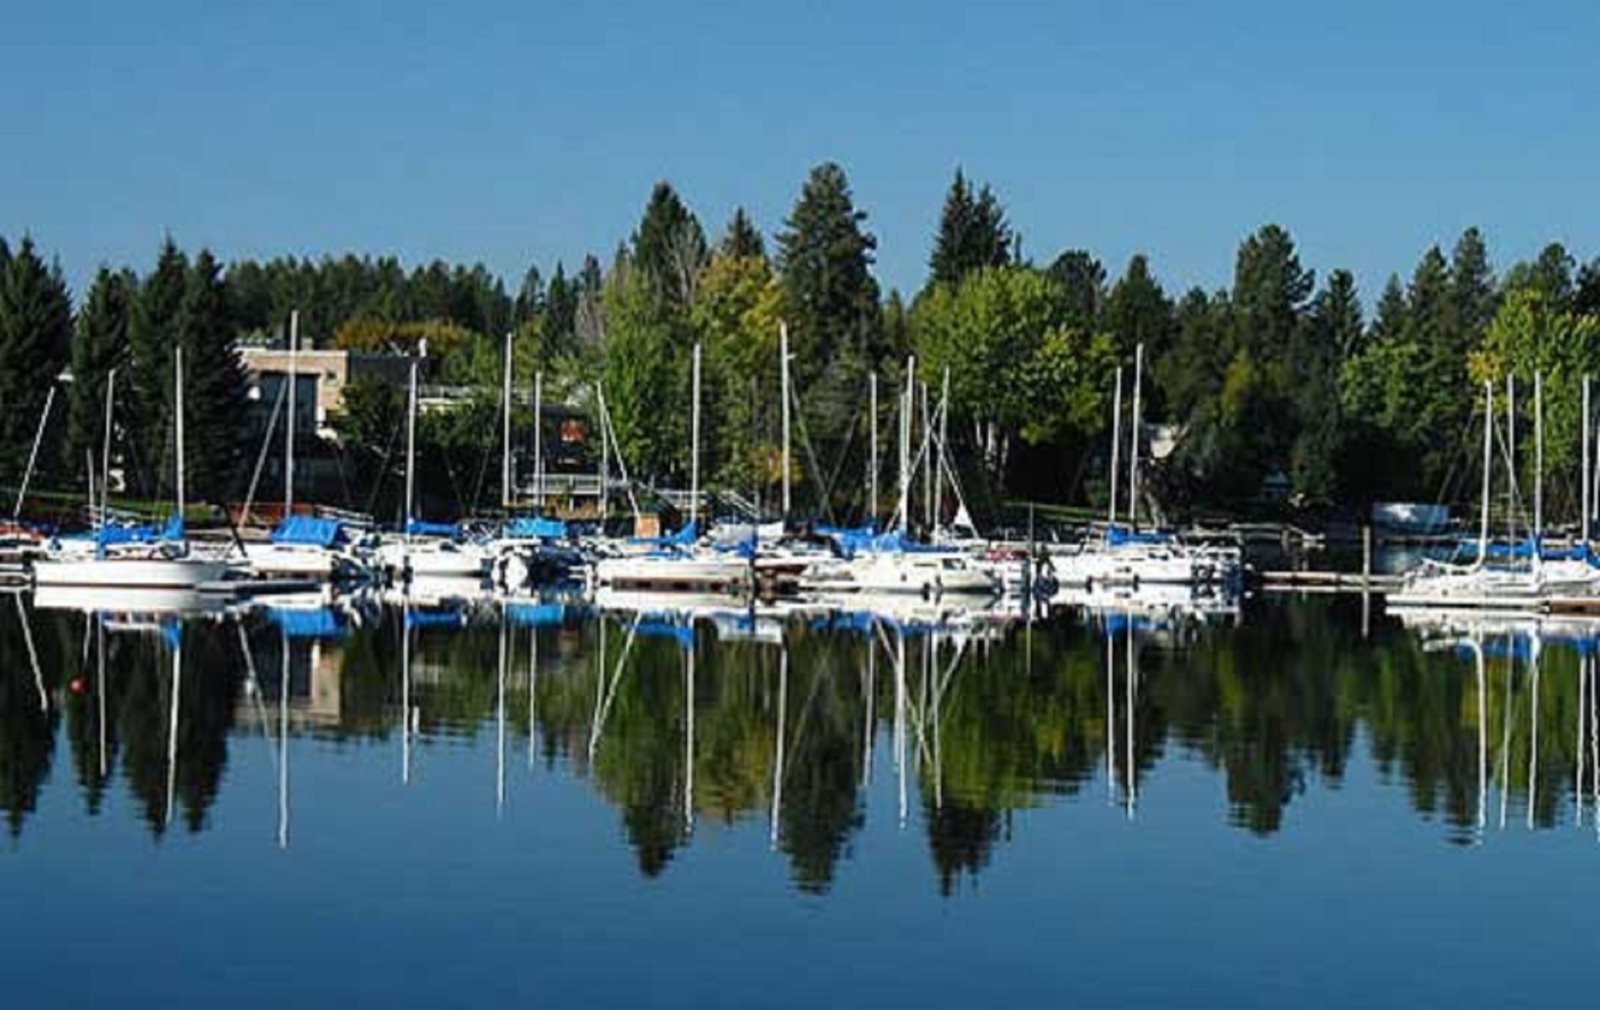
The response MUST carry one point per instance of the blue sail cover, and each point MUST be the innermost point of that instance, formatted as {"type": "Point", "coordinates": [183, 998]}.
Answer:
{"type": "Point", "coordinates": [536, 528]}
{"type": "Point", "coordinates": [1121, 622]}
{"type": "Point", "coordinates": [308, 530]}
{"type": "Point", "coordinates": [1524, 550]}
{"type": "Point", "coordinates": [108, 536]}
{"type": "Point", "coordinates": [537, 615]}
{"type": "Point", "coordinates": [436, 619]}
{"type": "Point", "coordinates": [1117, 536]}
{"type": "Point", "coordinates": [666, 629]}
{"type": "Point", "coordinates": [416, 527]}
{"type": "Point", "coordinates": [320, 622]}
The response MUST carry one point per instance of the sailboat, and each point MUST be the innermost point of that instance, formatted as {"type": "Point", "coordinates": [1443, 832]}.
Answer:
{"type": "Point", "coordinates": [428, 549]}
{"type": "Point", "coordinates": [893, 563]}
{"type": "Point", "coordinates": [1125, 555]}
{"type": "Point", "coordinates": [1477, 585]}
{"type": "Point", "coordinates": [680, 562]}
{"type": "Point", "coordinates": [122, 560]}
{"type": "Point", "coordinates": [302, 545]}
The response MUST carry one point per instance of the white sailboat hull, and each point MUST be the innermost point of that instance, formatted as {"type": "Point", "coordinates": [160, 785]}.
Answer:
{"type": "Point", "coordinates": [690, 571]}
{"type": "Point", "coordinates": [929, 575]}
{"type": "Point", "coordinates": [151, 573]}
{"type": "Point", "coordinates": [431, 559]}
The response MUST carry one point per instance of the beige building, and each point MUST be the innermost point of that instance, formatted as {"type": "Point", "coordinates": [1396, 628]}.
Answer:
{"type": "Point", "coordinates": [321, 376]}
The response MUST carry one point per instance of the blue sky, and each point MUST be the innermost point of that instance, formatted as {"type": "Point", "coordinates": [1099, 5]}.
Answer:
{"type": "Point", "coordinates": [524, 132]}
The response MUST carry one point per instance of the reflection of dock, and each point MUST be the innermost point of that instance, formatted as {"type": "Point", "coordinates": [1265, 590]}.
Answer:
{"type": "Point", "coordinates": [1329, 582]}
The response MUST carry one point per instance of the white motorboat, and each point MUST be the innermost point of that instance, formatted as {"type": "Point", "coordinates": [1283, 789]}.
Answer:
{"type": "Point", "coordinates": [704, 570]}
{"type": "Point", "coordinates": [1473, 587]}
{"type": "Point", "coordinates": [308, 547]}
{"type": "Point", "coordinates": [435, 556]}
{"type": "Point", "coordinates": [928, 573]}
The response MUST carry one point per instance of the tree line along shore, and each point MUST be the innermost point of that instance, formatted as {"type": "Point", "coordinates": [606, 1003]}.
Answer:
{"type": "Point", "coordinates": [1278, 381]}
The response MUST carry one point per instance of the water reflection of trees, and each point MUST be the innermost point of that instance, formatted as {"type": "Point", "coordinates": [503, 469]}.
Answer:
{"type": "Point", "coordinates": [1276, 706]}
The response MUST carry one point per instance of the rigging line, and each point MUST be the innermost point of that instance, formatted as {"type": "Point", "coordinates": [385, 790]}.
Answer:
{"type": "Point", "coordinates": [611, 691]}
{"type": "Point", "coordinates": [255, 690]}
{"type": "Point", "coordinates": [383, 467]}
{"type": "Point", "coordinates": [33, 655]}
{"type": "Point", "coordinates": [811, 452]}
{"type": "Point", "coordinates": [261, 457]}
{"type": "Point", "coordinates": [805, 715]}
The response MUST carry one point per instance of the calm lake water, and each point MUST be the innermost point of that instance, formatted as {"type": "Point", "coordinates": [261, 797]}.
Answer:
{"type": "Point", "coordinates": [1298, 804]}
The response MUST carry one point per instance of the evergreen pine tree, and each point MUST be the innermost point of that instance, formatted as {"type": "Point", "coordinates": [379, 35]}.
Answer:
{"type": "Point", "coordinates": [530, 297]}
{"type": "Point", "coordinates": [1391, 320]}
{"type": "Point", "coordinates": [1138, 311]}
{"type": "Point", "coordinates": [152, 334]}
{"type": "Point", "coordinates": [835, 323]}
{"type": "Point", "coordinates": [669, 247]}
{"type": "Point", "coordinates": [561, 308]}
{"type": "Point", "coordinates": [742, 238]}
{"type": "Point", "coordinates": [1333, 329]}
{"type": "Point", "coordinates": [1082, 281]}
{"type": "Point", "coordinates": [1586, 299]}
{"type": "Point", "coordinates": [214, 383]}
{"type": "Point", "coordinates": [35, 335]}
{"type": "Point", "coordinates": [973, 233]}
{"type": "Point", "coordinates": [1472, 284]}
{"type": "Point", "coordinates": [100, 344]}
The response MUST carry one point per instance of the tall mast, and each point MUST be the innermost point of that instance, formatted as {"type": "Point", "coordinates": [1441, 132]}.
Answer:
{"type": "Point", "coordinates": [1583, 492]}
{"type": "Point", "coordinates": [605, 457]}
{"type": "Point", "coordinates": [105, 451]}
{"type": "Point", "coordinates": [783, 381]}
{"type": "Point", "coordinates": [1488, 468]}
{"type": "Point", "coordinates": [1538, 458]}
{"type": "Point", "coordinates": [177, 371]}
{"type": "Point", "coordinates": [538, 438]}
{"type": "Point", "coordinates": [907, 399]}
{"type": "Point", "coordinates": [1133, 449]}
{"type": "Point", "coordinates": [872, 441]}
{"type": "Point", "coordinates": [506, 489]}
{"type": "Point", "coordinates": [694, 437]}
{"type": "Point", "coordinates": [1116, 444]}
{"type": "Point", "coordinates": [944, 431]}
{"type": "Point", "coordinates": [288, 437]}
{"type": "Point", "coordinates": [927, 460]}
{"type": "Point", "coordinates": [411, 446]}
{"type": "Point", "coordinates": [1511, 456]}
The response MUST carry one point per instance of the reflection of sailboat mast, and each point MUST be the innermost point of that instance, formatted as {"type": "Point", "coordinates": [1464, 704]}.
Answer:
{"type": "Point", "coordinates": [1594, 739]}
{"type": "Point", "coordinates": [1583, 711]}
{"type": "Point", "coordinates": [1483, 731]}
{"type": "Point", "coordinates": [100, 690]}
{"type": "Point", "coordinates": [777, 764]}
{"type": "Point", "coordinates": [1132, 674]}
{"type": "Point", "coordinates": [1505, 732]}
{"type": "Point", "coordinates": [405, 688]}
{"type": "Point", "coordinates": [533, 688]}
{"type": "Point", "coordinates": [500, 713]}
{"type": "Point", "coordinates": [172, 724]}
{"type": "Point", "coordinates": [688, 745]}
{"type": "Point", "coordinates": [1111, 710]}
{"type": "Point", "coordinates": [603, 704]}
{"type": "Point", "coordinates": [33, 654]}
{"type": "Point", "coordinates": [1533, 746]}
{"type": "Point", "coordinates": [869, 725]}
{"type": "Point", "coordinates": [900, 719]}
{"type": "Point", "coordinates": [283, 748]}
